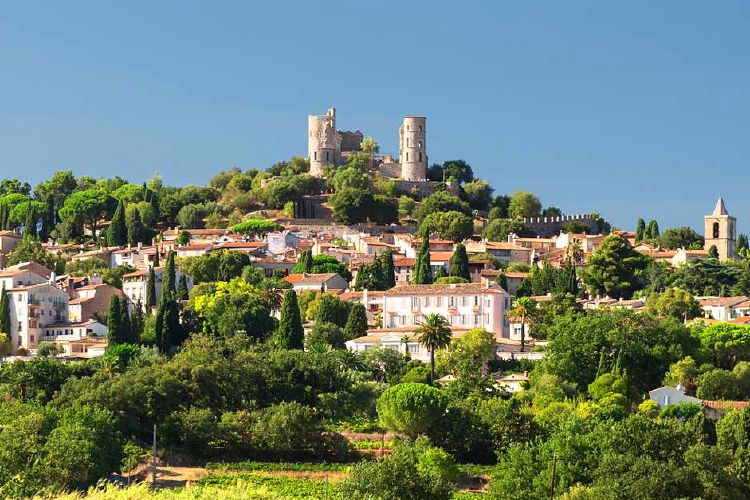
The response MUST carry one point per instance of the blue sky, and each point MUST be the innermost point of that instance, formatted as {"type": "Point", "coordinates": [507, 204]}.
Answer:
{"type": "Point", "coordinates": [631, 108]}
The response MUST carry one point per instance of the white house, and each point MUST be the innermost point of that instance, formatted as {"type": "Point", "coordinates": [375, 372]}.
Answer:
{"type": "Point", "coordinates": [32, 307]}
{"type": "Point", "coordinates": [666, 395]}
{"type": "Point", "coordinates": [135, 284]}
{"type": "Point", "coordinates": [23, 274]}
{"type": "Point", "coordinates": [318, 282]}
{"type": "Point", "coordinates": [720, 308]}
{"type": "Point", "coordinates": [464, 305]}
{"type": "Point", "coordinates": [279, 241]}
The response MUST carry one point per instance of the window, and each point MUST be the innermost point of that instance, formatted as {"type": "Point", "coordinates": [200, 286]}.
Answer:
{"type": "Point", "coordinates": [407, 127]}
{"type": "Point", "coordinates": [415, 301]}
{"type": "Point", "coordinates": [407, 156]}
{"type": "Point", "coordinates": [451, 301]}
{"type": "Point", "coordinates": [20, 326]}
{"type": "Point", "coordinates": [427, 302]}
{"type": "Point", "coordinates": [315, 155]}
{"type": "Point", "coordinates": [328, 153]}
{"type": "Point", "coordinates": [412, 348]}
{"type": "Point", "coordinates": [420, 156]}
{"type": "Point", "coordinates": [477, 319]}
{"type": "Point", "coordinates": [476, 300]}
{"type": "Point", "coordinates": [716, 230]}
{"type": "Point", "coordinates": [438, 301]}
{"type": "Point", "coordinates": [420, 128]}
{"type": "Point", "coordinates": [407, 142]}
{"type": "Point", "coordinates": [463, 319]}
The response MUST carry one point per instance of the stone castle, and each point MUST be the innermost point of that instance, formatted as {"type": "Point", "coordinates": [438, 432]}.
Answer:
{"type": "Point", "coordinates": [329, 146]}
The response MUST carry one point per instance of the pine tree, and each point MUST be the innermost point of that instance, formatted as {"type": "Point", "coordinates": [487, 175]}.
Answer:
{"type": "Point", "coordinates": [114, 318]}
{"type": "Point", "coordinates": [136, 231]}
{"type": "Point", "coordinates": [356, 324]}
{"type": "Point", "coordinates": [182, 289]}
{"type": "Point", "coordinates": [290, 333]}
{"type": "Point", "coordinates": [117, 234]}
{"type": "Point", "coordinates": [422, 271]}
{"type": "Point", "coordinates": [640, 230]}
{"type": "Point", "coordinates": [459, 264]}
{"type": "Point", "coordinates": [5, 313]}
{"type": "Point", "coordinates": [389, 270]}
{"type": "Point", "coordinates": [151, 290]}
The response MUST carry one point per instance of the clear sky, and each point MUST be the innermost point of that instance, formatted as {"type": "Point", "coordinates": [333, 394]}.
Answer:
{"type": "Point", "coordinates": [634, 108]}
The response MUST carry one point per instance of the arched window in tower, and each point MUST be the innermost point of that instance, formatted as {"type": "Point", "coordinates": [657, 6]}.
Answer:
{"type": "Point", "coordinates": [407, 156]}
{"type": "Point", "coordinates": [328, 153]}
{"type": "Point", "coordinates": [715, 230]}
{"type": "Point", "coordinates": [315, 155]}
{"type": "Point", "coordinates": [420, 144]}
{"type": "Point", "coordinates": [420, 156]}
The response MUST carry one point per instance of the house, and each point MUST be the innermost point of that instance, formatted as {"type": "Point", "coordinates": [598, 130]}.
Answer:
{"type": "Point", "coordinates": [135, 284]}
{"type": "Point", "coordinates": [403, 268]}
{"type": "Point", "coordinates": [373, 301]}
{"type": "Point", "coordinates": [683, 256]}
{"type": "Point", "coordinates": [32, 307]}
{"type": "Point", "coordinates": [319, 282]}
{"type": "Point", "coordinates": [193, 249]}
{"type": "Point", "coordinates": [195, 234]}
{"type": "Point", "coordinates": [464, 305]}
{"type": "Point", "coordinates": [139, 257]}
{"type": "Point", "coordinates": [91, 301]}
{"type": "Point", "coordinates": [279, 241]}
{"type": "Point", "coordinates": [401, 339]}
{"type": "Point", "coordinates": [23, 274]}
{"type": "Point", "coordinates": [666, 395]}
{"type": "Point", "coordinates": [514, 382]}
{"type": "Point", "coordinates": [256, 248]}
{"type": "Point", "coordinates": [78, 339]}
{"type": "Point", "coordinates": [104, 254]}
{"type": "Point", "coordinates": [505, 252]}
{"type": "Point", "coordinates": [276, 265]}
{"type": "Point", "coordinates": [720, 308]}
{"type": "Point", "coordinates": [8, 242]}
{"type": "Point", "coordinates": [717, 409]}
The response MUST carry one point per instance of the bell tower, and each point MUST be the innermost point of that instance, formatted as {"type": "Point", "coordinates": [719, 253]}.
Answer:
{"type": "Point", "coordinates": [720, 231]}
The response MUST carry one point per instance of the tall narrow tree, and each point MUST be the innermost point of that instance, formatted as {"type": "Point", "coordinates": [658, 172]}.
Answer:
{"type": "Point", "coordinates": [30, 225]}
{"type": "Point", "coordinates": [290, 333]}
{"type": "Point", "coordinates": [49, 221]}
{"type": "Point", "coordinates": [459, 264]}
{"type": "Point", "coordinates": [136, 322]}
{"type": "Point", "coordinates": [151, 290]}
{"type": "Point", "coordinates": [640, 230]}
{"type": "Point", "coordinates": [126, 331]}
{"type": "Point", "coordinates": [182, 289]}
{"type": "Point", "coordinates": [422, 274]}
{"type": "Point", "coordinates": [652, 230]}
{"type": "Point", "coordinates": [117, 234]}
{"type": "Point", "coordinates": [114, 318]}
{"type": "Point", "coordinates": [389, 270]}
{"type": "Point", "coordinates": [167, 328]}
{"type": "Point", "coordinates": [5, 313]}
{"type": "Point", "coordinates": [136, 231]}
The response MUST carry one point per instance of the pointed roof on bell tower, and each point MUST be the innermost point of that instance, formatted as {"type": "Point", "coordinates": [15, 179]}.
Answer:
{"type": "Point", "coordinates": [720, 209]}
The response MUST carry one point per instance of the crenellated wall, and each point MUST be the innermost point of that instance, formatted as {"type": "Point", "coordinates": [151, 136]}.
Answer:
{"type": "Point", "coordinates": [550, 226]}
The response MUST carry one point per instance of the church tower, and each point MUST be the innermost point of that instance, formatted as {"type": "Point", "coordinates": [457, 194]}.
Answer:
{"type": "Point", "coordinates": [720, 231]}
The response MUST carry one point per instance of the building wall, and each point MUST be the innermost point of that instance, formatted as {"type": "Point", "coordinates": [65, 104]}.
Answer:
{"type": "Point", "coordinates": [463, 311]}
{"type": "Point", "coordinates": [31, 309]}
{"type": "Point", "coordinates": [324, 142]}
{"type": "Point", "coordinates": [724, 239]}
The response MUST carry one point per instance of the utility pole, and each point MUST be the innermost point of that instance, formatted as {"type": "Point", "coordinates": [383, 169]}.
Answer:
{"type": "Point", "coordinates": [153, 461]}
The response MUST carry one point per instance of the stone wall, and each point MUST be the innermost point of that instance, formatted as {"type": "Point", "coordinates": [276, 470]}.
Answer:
{"type": "Point", "coordinates": [551, 226]}
{"type": "Point", "coordinates": [351, 141]}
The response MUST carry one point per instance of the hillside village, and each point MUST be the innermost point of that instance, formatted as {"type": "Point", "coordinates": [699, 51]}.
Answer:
{"type": "Point", "coordinates": [386, 272]}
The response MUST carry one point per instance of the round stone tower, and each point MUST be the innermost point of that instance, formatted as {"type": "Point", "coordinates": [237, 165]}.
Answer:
{"type": "Point", "coordinates": [413, 148]}
{"type": "Point", "coordinates": [323, 143]}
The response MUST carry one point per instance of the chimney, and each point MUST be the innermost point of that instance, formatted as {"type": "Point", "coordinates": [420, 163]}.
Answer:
{"type": "Point", "coordinates": [140, 246]}
{"type": "Point", "coordinates": [52, 278]}
{"type": "Point", "coordinates": [364, 297]}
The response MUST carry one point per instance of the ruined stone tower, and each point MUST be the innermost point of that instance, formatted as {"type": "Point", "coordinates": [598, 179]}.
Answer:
{"type": "Point", "coordinates": [323, 142]}
{"type": "Point", "coordinates": [412, 148]}
{"type": "Point", "coordinates": [719, 231]}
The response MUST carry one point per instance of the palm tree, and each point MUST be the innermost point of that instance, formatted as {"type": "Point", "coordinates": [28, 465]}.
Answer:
{"type": "Point", "coordinates": [574, 252]}
{"type": "Point", "coordinates": [522, 308]}
{"type": "Point", "coordinates": [435, 333]}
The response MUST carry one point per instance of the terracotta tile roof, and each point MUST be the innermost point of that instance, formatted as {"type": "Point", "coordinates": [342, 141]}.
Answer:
{"type": "Point", "coordinates": [309, 277]}
{"type": "Point", "coordinates": [742, 320]}
{"type": "Point", "coordinates": [440, 256]}
{"type": "Point", "coordinates": [197, 232]}
{"type": "Point", "coordinates": [499, 245]}
{"type": "Point", "coordinates": [240, 244]}
{"type": "Point", "coordinates": [195, 246]}
{"type": "Point", "coordinates": [515, 274]}
{"type": "Point", "coordinates": [93, 287]}
{"type": "Point", "coordinates": [359, 295]}
{"type": "Point", "coordinates": [449, 289]}
{"type": "Point", "coordinates": [725, 405]}
{"type": "Point", "coordinates": [29, 287]}
{"type": "Point", "coordinates": [141, 272]}
{"type": "Point", "coordinates": [379, 334]}
{"type": "Point", "coordinates": [721, 301]}
{"type": "Point", "coordinates": [404, 262]}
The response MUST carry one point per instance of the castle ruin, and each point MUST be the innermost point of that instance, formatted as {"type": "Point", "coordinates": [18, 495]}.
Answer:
{"type": "Point", "coordinates": [329, 146]}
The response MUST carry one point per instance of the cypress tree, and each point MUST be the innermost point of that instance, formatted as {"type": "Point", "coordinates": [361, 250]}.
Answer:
{"type": "Point", "coordinates": [156, 258]}
{"type": "Point", "coordinates": [50, 218]}
{"type": "Point", "coordinates": [356, 324]}
{"type": "Point", "coordinates": [440, 273]}
{"type": "Point", "coordinates": [182, 289]}
{"type": "Point", "coordinates": [389, 270]}
{"type": "Point", "coordinates": [5, 313]}
{"type": "Point", "coordinates": [117, 235]}
{"type": "Point", "coordinates": [640, 230]}
{"type": "Point", "coordinates": [459, 264]}
{"type": "Point", "coordinates": [304, 263]}
{"type": "Point", "coordinates": [742, 243]}
{"type": "Point", "coordinates": [422, 271]}
{"type": "Point", "coordinates": [125, 326]}
{"type": "Point", "coordinates": [290, 333]}
{"type": "Point", "coordinates": [136, 322]}
{"type": "Point", "coordinates": [364, 278]}
{"type": "Point", "coordinates": [167, 328]}
{"type": "Point", "coordinates": [652, 230]}
{"type": "Point", "coordinates": [114, 318]}
{"type": "Point", "coordinates": [29, 226]}
{"type": "Point", "coordinates": [151, 290]}
{"type": "Point", "coordinates": [136, 231]}
{"type": "Point", "coordinates": [502, 280]}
